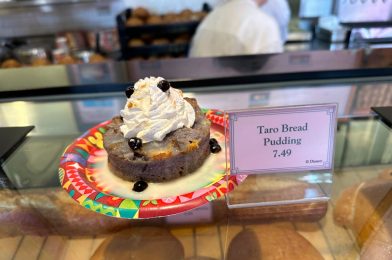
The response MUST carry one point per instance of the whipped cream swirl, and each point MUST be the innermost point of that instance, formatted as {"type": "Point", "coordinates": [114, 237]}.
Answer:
{"type": "Point", "coordinates": [150, 114]}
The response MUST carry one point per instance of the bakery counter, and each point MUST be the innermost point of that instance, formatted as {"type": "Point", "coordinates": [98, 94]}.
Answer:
{"type": "Point", "coordinates": [40, 220]}
{"type": "Point", "coordinates": [258, 71]}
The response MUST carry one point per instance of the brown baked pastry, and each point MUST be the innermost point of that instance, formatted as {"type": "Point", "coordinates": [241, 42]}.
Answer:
{"type": "Point", "coordinates": [180, 153]}
{"type": "Point", "coordinates": [140, 13]}
{"type": "Point", "coordinates": [136, 43]}
{"type": "Point", "coordinates": [199, 15]}
{"type": "Point", "coordinates": [366, 208]}
{"type": "Point", "coordinates": [67, 59]}
{"type": "Point", "coordinates": [170, 18]}
{"type": "Point", "coordinates": [182, 39]}
{"type": "Point", "coordinates": [154, 19]}
{"type": "Point", "coordinates": [160, 41]}
{"type": "Point", "coordinates": [96, 58]}
{"type": "Point", "coordinates": [11, 63]}
{"type": "Point", "coordinates": [51, 211]}
{"type": "Point", "coordinates": [363, 207]}
{"type": "Point", "coordinates": [40, 62]}
{"type": "Point", "coordinates": [133, 21]}
{"type": "Point", "coordinates": [150, 243]}
{"type": "Point", "coordinates": [271, 243]}
{"type": "Point", "coordinates": [186, 14]}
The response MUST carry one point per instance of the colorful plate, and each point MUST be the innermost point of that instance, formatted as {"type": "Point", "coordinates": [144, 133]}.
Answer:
{"type": "Point", "coordinates": [84, 163]}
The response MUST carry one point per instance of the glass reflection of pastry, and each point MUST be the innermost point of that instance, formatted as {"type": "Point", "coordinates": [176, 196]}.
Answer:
{"type": "Point", "coordinates": [10, 63]}
{"type": "Point", "coordinates": [96, 58]}
{"type": "Point", "coordinates": [66, 59]}
{"type": "Point", "coordinates": [160, 136]}
{"type": "Point", "coordinates": [40, 62]}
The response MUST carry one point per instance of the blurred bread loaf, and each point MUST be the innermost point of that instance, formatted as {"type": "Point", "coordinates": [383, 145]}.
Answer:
{"type": "Point", "coordinates": [11, 63]}
{"type": "Point", "coordinates": [366, 209]}
{"type": "Point", "coordinates": [271, 243]}
{"type": "Point", "coordinates": [51, 211]}
{"type": "Point", "coordinates": [150, 243]}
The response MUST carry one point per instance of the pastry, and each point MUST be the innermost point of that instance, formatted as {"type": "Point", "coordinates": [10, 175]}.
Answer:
{"type": "Point", "coordinates": [182, 39]}
{"type": "Point", "coordinates": [40, 62]}
{"type": "Point", "coordinates": [51, 211]}
{"type": "Point", "coordinates": [66, 59]}
{"type": "Point", "coordinates": [366, 209]}
{"type": "Point", "coordinates": [170, 18]}
{"type": "Point", "coordinates": [141, 243]}
{"type": "Point", "coordinates": [136, 43]}
{"type": "Point", "coordinates": [154, 19]}
{"type": "Point", "coordinates": [96, 58]}
{"type": "Point", "coordinates": [160, 136]}
{"type": "Point", "coordinates": [160, 41]}
{"type": "Point", "coordinates": [186, 14]}
{"type": "Point", "coordinates": [10, 63]}
{"type": "Point", "coordinates": [270, 242]}
{"type": "Point", "coordinates": [133, 21]}
{"type": "Point", "coordinates": [140, 13]}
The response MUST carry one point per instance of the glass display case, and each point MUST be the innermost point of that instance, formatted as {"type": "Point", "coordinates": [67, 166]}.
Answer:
{"type": "Point", "coordinates": [39, 220]}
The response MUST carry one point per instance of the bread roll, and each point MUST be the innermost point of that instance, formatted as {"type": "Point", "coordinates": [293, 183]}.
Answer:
{"type": "Point", "coordinates": [366, 208]}
{"type": "Point", "coordinates": [96, 58]}
{"type": "Point", "coordinates": [51, 211]}
{"type": "Point", "coordinates": [133, 21]}
{"type": "Point", "coordinates": [273, 243]}
{"type": "Point", "coordinates": [67, 59]}
{"type": "Point", "coordinates": [170, 18]}
{"type": "Point", "coordinates": [141, 243]}
{"type": "Point", "coordinates": [154, 19]}
{"type": "Point", "coordinates": [160, 41]}
{"type": "Point", "coordinates": [135, 43]}
{"type": "Point", "coordinates": [141, 13]}
{"type": "Point", "coordinates": [11, 63]}
{"type": "Point", "coordinates": [40, 62]}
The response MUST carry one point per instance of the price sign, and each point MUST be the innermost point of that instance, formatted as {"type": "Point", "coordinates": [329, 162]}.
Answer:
{"type": "Point", "coordinates": [283, 139]}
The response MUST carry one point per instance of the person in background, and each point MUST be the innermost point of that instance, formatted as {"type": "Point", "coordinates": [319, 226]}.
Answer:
{"type": "Point", "coordinates": [280, 10]}
{"type": "Point", "coordinates": [236, 27]}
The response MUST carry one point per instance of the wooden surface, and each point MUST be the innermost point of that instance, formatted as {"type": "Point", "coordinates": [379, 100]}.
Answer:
{"type": "Point", "coordinates": [332, 241]}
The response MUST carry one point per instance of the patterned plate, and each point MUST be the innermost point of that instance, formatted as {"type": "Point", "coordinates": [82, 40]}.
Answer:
{"type": "Point", "coordinates": [84, 161]}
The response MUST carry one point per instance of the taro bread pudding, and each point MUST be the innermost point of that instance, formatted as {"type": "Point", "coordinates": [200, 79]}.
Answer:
{"type": "Point", "coordinates": [159, 135]}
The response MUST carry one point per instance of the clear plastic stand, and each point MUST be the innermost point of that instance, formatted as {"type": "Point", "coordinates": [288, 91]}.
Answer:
{"type": "Point", "coordinates": [291, 185]}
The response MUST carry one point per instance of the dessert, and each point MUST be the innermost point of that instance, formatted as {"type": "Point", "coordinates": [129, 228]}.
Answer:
{"type": "Point", "coordinates": [135, 43]}
{"type": "Point", "coordinates": [271, 242]}
{"type": "Point", "coordinates": [133, 21]}
{"type": "Point", "coordinates": [141, 13]}
{"type": "Point", "coordinates": [160, 135]}
{"type": "Point", "coordinates": [10, 63]}
{"type": "Point", "coordinates": [154, 19]}
{"type": "Point", "coordinates": [141, 243]}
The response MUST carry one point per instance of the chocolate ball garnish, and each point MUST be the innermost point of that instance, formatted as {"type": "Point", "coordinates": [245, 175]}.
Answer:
{"type": "Point", "coordinates": [164, 85]}
{"type": "Point", "coordinates": [140, 186]}
{"type": "Point", "coordinates": [215, 148]}
{"type": "Point", "coordinates": [135, 143]}
{"type": "Point", "coordinates": [213, 141]}
{"type": "Point", "coordinates": [129, 91]}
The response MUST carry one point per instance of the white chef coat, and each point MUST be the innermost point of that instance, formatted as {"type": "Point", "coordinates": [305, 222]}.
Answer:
{"type": "Point", "coordinates": [236, 27]}
{"type": "Point", "coordinates": [280, 10]}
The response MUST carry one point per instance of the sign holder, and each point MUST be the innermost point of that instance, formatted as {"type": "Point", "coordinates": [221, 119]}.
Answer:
{"type": "Point", "coordinates": [285, 153]}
